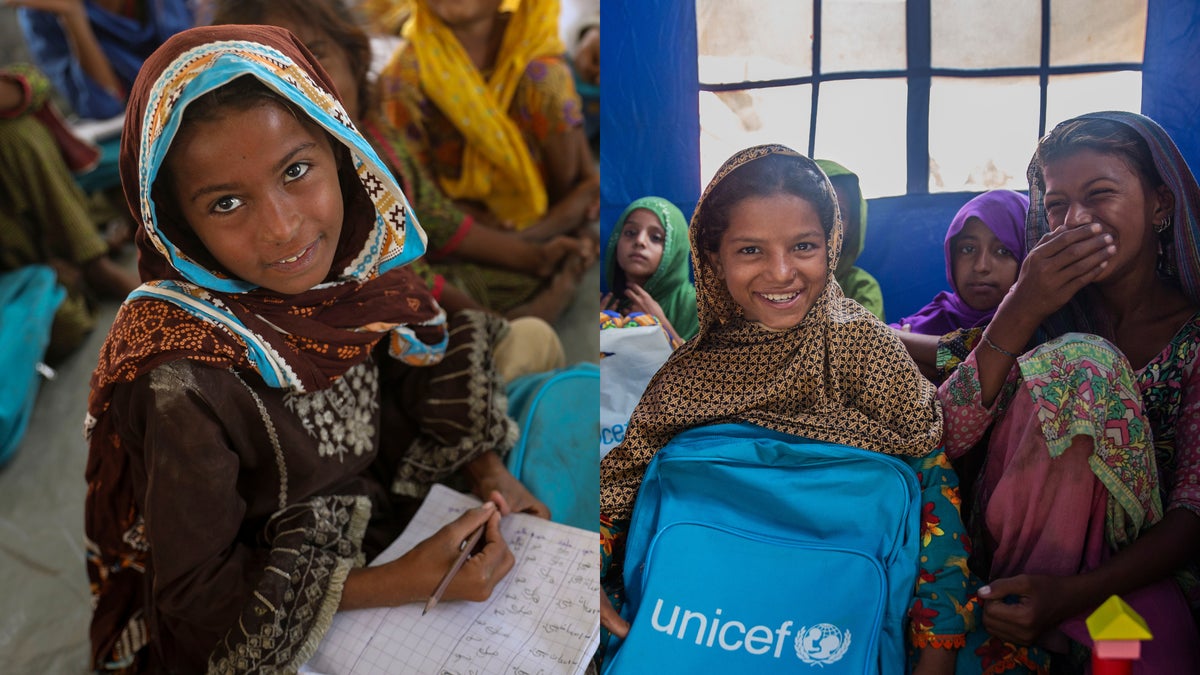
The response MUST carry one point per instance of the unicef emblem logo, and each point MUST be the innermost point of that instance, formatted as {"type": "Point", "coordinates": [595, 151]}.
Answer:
{"type": "Point", "coordinates": [821, 644]}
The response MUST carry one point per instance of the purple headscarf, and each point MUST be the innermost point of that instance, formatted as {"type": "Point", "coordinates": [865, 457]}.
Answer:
{"type": "Point", "coordinates": [1003, 212]}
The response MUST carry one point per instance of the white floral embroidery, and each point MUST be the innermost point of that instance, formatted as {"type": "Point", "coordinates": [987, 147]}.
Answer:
{"type": "Point", "coordinates": [342, 417]}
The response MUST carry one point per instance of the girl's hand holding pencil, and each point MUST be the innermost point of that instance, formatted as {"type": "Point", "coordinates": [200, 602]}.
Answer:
{"type": "Point", "coordinates": [488, 558]}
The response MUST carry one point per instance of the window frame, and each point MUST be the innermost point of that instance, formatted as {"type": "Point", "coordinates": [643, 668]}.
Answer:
{"type": "Point", "coordinates": [919, 76]}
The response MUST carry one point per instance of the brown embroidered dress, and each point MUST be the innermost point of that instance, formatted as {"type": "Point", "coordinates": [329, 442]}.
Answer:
{"type": "Point", "coordinates": [247, 449]}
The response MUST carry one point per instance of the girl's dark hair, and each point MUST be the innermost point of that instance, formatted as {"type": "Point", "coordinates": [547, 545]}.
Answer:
{"type": "Point", "coordinates": [334, 17]}
{"type": "Point", "coordinates": [1101, 135]}
{"type": "Point", "coordinates": [763, 177]}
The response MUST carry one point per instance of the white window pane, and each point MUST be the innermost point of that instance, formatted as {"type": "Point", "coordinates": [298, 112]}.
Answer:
{"type": "Point", "coordinates": [1071, 95]}
{"type": "Point", "coordinates": [734, 120]}
{"type": "Point", "coordinates": [1097, 31]}
{"type": "Point", "coordinates": [753, 40]}
{"type": "Point", "coordinates": [862, 35]}
{"type": "Point", "coordinates": [982, 132]}
{"type": "Point", "coordinates": [985, 34]}
{"type": "Point", "coordinates": [861, 125]}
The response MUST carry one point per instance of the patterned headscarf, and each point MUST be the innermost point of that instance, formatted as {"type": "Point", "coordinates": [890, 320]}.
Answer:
{"type": "Point", "coordinates": [670, 285]}
{"type": "Point", "coordinates": [1001, 211]}
{"type": "Point", "coordinates": [1182, 239]}
{"type": "Point", "coordinates": [497, 168]}
{"type": "Point", "coordinates": [839, 376]}
{"type": "Point", "coordinates": [299, 342]}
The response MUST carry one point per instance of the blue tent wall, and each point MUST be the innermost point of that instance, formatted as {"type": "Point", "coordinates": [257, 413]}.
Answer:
{"type": "Point", "coordinates": [650, 137]}
{"type": "Point", "coordinates": [649, 111]}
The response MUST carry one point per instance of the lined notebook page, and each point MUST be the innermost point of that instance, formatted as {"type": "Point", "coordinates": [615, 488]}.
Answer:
{"type": "Point", "coordinates": [543, 617]}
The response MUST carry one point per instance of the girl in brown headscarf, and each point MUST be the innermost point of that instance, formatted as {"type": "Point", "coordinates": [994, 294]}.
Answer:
{"type": "Point", "coordinates": [258, 423]}
{"type": "Point", "coordinates": [779, 345]}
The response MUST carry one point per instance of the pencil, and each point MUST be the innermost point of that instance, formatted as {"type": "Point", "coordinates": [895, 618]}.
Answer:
{"type": "Point", "coordinates": [464, 552]}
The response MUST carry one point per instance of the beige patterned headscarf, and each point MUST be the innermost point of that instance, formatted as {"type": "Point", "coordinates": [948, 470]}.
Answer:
{"type": "Point", "coordinates": [840, 376]}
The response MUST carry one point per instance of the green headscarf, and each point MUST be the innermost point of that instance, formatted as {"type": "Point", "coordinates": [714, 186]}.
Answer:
{"type": "Point", "coordinates": [857, 284]}
{"type": "Point", "coordinates": [670, 285]}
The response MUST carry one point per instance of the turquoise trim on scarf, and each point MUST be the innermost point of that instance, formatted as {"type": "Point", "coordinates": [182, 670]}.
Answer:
{"type": "Point", "coordinates": [331, 116]}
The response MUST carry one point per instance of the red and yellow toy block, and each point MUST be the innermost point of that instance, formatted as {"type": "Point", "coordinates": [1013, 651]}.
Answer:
{"type": "Point", "coordinates": [1117, 632]}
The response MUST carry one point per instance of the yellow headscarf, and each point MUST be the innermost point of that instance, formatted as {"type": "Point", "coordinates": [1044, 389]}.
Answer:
{"type": "Point", "coordinates": [497, 168]}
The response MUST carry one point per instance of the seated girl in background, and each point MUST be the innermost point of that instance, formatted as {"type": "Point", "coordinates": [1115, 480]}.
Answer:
{"type": "Point", "coordinates": [857, 283]}
{"type": "Point", "coordinates": [779, 346]}
{"type": "Point", "coordinates": [1090, 484]}
{"type": "Point", "coordinates": [984, 247]}
{"type": "Point", "coordinates": [273, 401]}
{"type": "Point", "coordinates": [646, 267]}
{"type": "Point", "coordinates": [487, 102]}
{"type": "Point", "coordinates": [93, 50]}
{"type": "Point", "coordinates": [470, 265]}
{"type": "Point", "coordinates": [44, 216]}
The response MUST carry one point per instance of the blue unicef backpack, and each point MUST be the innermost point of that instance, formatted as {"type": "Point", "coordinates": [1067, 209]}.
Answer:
{"type": "Point", "coordinates": [558, 413]}
{"type": "Point", "coordinates": [752, 551]}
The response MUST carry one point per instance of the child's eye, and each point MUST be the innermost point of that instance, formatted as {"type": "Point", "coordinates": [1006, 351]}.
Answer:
{"type": "Point", "coordinates": [966, 249]}
{"type": "Point", "coordinates": [1004, 252]}
{"type": "Point", "coordinates": [748, 250]}
{"type": "Point", "coordinates": [296, 170]}
{"type": "Point", "coordinates": [226, 204]}
{"type": "Point", "coordinates": [656, 238]}
{"type": "Point", "coordinates": [631, 234]}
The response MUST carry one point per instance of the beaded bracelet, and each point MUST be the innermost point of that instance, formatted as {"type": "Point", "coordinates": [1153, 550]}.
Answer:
{"type": "Point", "coordinates": [992, 345]}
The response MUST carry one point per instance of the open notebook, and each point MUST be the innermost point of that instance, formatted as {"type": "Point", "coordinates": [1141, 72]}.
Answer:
{"type": "Point", "coordinates": [544, 617]}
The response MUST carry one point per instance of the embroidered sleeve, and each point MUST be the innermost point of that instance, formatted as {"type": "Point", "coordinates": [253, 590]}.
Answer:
{"type": "Point", "coordinates": [313, 545]}
{"type": "Point", "coordinates": [459, 406]}
{"type": "Point", "coordinates": [943, 608]}
{"type": "Point", "coordinates": [966, 419]}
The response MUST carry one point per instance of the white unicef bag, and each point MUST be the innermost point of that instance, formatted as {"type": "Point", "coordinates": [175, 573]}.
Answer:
{"type": "Point", "coordinates": [630, 355]}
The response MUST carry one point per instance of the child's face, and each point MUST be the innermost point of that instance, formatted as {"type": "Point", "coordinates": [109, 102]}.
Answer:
{"type": "Point", "coordinates": [1087, 187]}
{"type": "Point", "coordinates": [333, 56]}
{"type": "Point", "coordinates": [984, 268]}
{"type": "Point", "coordinates": [640, 248]}
{"type": "Point", "coordinates": [773, 258]}
{"type": "Point", "coordinates": [261, 191]}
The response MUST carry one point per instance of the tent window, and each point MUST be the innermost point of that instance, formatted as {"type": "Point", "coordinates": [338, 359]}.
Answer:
{"type": "Point", "coordinates": [916, 96]}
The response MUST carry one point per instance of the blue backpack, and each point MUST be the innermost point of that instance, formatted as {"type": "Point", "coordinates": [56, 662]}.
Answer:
{"type": "Point", "coordinates": [753, 551]}
{"type": "Point", "coordinates": [558, 413]}
{"type": "Point", "coordinates": [29, 297]}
